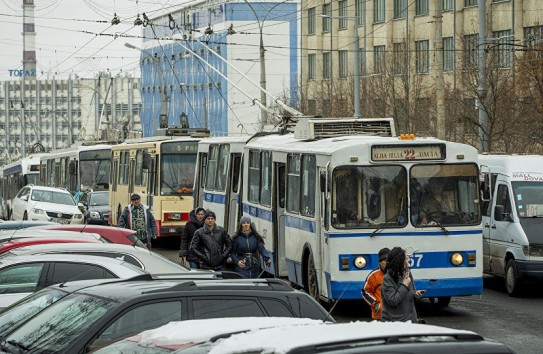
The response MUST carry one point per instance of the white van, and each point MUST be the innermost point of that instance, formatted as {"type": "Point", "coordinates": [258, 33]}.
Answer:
{"type": "Point", "coordinates": [512, 210]}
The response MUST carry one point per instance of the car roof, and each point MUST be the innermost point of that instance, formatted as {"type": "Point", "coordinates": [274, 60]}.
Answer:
{"type": "Point", "coordinates": [179, 332]}
{"type": "Point", "coordinates": [364, 333]}
{"type": "Point", "coordinates": [23, 224]}
{"type": "Point", "coordinates": [35, 233]}
{"type": "Point", "coordinates": [53, 189]}
{"type": "Point", "coordinates": [119, 267]}
{"type": "Point", "coordinates": [82, 227]}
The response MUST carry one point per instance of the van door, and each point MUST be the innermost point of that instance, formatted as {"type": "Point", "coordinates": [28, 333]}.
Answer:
{"type": "Point", "coordinates": [502, 229]}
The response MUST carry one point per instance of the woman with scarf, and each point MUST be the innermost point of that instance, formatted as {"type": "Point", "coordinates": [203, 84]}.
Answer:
{"type": "Point", "coordinates": [247, 244]}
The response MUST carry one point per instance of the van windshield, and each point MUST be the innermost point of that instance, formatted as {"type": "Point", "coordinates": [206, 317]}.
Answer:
{"type": "Point", "coordinates": [528, 197]}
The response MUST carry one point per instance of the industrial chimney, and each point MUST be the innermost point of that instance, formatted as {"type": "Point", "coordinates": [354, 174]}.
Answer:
{"type": "Point", "coordinates": [29, 40]}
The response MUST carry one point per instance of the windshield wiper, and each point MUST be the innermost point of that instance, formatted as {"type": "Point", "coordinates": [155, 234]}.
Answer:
{"type": "Point", "coordinates": [429, 215]}
{"type": "Point", "coordinates": [388, 222]}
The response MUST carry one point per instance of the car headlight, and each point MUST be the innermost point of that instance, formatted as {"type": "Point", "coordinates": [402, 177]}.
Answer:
{"type": "Point", "coordinates": [78, 216]}
{"type": "Point", "coordinates": [533, 250]}
{"type": "Point", "coordinates": [38, 211]}
{"type": "Point", "coordinates": [457, 259]}
{"type": "Point", "coordinates": [94, 215]}
{"type": "Point", "coordinates": [360, 262]}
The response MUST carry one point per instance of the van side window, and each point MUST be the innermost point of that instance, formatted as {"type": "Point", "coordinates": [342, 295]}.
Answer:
{"type": "Point", "coordinates": [502, 198]}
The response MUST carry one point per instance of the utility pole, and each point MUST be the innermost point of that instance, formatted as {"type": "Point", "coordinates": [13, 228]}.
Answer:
{"type": "Point", "coordinates": [438, 60]}
{"type": "Point", "coordinates": [357, 70]}
{"type": "Point", "coordinates": [481, 90]}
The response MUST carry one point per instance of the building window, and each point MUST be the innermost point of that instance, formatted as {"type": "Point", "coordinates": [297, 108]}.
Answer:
{"type": "Point", "coordinates": [503, 49]}
{"type": "Point", "coordinates": [360, 12]}
{"type": "Point", "coordinates": [400, 8]}
{"type": "Point", "coordinates": [343, 64]}
{"type": "Point", "coordinates": [533, 39]}
{"type": "Point", "coordinates": [471, 43]}
{"type": "Point", "coordinates": [342, 10]}
{"type": "Point", "coordinates": [399, 61]}
{"type": "Point", "coordinates": [448, 54]}
{"type": "Point", "coordinates": [326, 21]}
{"type": "Point", "coordinates": [312, 65]}
{"type": "Point", "coordinates": [421, 7]}
{"type": "Point", "coordinates": [379, 59]}
{"type": "Point", "coordinates": [471, 3]}
{"type": "Point", "coordinates": [326, 65]}
{"type": "Point", "coordinates": [422, 56]}
{"type": "Point", "coordinates": [448, 5]}
{"type": "Point", "coordinates": [378, 10]}
{"type": "Point", "coordinates": [311, 18]}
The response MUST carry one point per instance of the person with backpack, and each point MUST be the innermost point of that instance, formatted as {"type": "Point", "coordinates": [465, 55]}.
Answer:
{"type": "Point", "coordinates": [138, 217]}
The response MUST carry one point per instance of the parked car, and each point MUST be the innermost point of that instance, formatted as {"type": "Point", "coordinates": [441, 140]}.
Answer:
{"type": "Point", "coordinates": [347, 338]}
{"type": "Point", "coordinates": [29, 241]}
{"type": "Point", "coordinates": [140, 257]}
{"type": "Point", "coordinates": [21, 276]}
{"type": "Point", "coordinates": [182, 334]}
{"type": "Point", "coordinates": [22, 224]}
{"type": "Point", "coordinates": [95, 316]}
{"type": "Point", "coordinates": [45, 203]}
{"type": "Point", "coordinates": [111, 234]}
{"type": "Point", "coordinates": [95, 207]}
{"type": "Point", "coordinates": [27, 233]}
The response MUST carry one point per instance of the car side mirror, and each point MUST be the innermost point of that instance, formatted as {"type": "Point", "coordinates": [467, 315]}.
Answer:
{"type": "Point", "coordinates": [501, 215]}
{"type": "Point", "coordinates": [81, 206]}
{"type": "Point", "coordinates": [24, 197]}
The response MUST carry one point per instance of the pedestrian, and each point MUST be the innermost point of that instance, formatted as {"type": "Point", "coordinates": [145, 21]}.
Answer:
{"type": "Point", "coordinates": [138, 217]}
{"type": "Point", "coordinates": [211, 244]}
{"type": "Point", "coordinates": [247, 247]}
{"type": "Point", "coordinates": [371, 292]}
{"type": "Point", "coordinates": [196, 221]}
{"type": "Point", "coordinates": [398, 291]}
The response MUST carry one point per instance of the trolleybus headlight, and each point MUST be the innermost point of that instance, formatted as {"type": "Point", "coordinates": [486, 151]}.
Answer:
{"type": "Point", "coordinates": [457, 259]}
{"type": "Point", "coordinates": [360, 262]}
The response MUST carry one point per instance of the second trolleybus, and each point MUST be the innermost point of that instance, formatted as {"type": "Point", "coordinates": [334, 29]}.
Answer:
{"type": "Point", "coordinates": [328, 196]}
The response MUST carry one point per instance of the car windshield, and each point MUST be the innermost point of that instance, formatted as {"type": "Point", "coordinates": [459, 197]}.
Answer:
{"type": "Point", "coordinates": [99, 199]}
{"type": "Point", "coordinates": [528, 199]}
{"type": "Point", "coordinates": [52, 197]}
{"type": "Point", "coordinates": [57, 326]}
{"type": "Point", "coordinates": [133, 345]}
{"type": "Point", "coordinates": [23, 310]}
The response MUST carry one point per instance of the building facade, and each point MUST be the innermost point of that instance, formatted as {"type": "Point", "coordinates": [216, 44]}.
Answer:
{"type": "Point", "coordinates": [184, 76]}
{"type": "Point", "coordinates": [400, 39]}
{"type": "Point", "coordinates": [58, 113]}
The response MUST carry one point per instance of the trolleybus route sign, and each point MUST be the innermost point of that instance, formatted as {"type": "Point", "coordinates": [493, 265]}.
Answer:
{"type": "Point", "coordinates": [407, 152]}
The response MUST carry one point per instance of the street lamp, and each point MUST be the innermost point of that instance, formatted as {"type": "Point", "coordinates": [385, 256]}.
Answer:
{"type": "Point", "coordinates": [356, 63]}
{"type": "Point", "coordinates": [163, 119]}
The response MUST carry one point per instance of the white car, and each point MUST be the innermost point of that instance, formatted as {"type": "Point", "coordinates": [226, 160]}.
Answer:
{"type": "Point", "coordinates": [23, 275]}
{"type": "Point", "coordinates": [45, 203]}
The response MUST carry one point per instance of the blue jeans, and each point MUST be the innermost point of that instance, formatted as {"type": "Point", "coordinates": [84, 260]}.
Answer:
{"type": "Point", "coordinates": [194, 265]}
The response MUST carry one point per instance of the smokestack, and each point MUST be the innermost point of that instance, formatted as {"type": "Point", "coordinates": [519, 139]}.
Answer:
{"type": "Point", "coordinates": [29, 40]}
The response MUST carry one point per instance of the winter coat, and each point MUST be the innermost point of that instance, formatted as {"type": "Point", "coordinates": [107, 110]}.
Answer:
{"type": "Point", "coordinates": [190, 228]}
{"type": "Point", "coordinates": [246, 247]}
{"type": "Point", "coordinates": [211, 247]}
{"type": "Point", "coordinates": [125, 220]}
{"type": "Point", "coordinates": [398, 300]}
{"type": "Point", "coordinates": [371, 292]}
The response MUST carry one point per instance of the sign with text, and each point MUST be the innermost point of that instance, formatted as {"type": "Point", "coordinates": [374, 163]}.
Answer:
{"type": "Point", "coordinates": [407, 152]}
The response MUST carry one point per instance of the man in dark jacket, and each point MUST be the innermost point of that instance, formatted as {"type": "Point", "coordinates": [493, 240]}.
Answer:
{"type": "Point", "coordinates": [196, 221]}
{"type": "Point", "coordinates": [211, 244]}
{"type": "Point", "coordinates": [137, 216]}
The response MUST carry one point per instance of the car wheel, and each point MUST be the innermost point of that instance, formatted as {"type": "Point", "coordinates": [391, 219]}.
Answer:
{"type": "Point", "coordinates": [513, 283]}
{"type": "Point", "coordinates": [443, 301]}
{"type": "Point", "coordinates": [311, 282]}
{"type": "Point", "coordinates": [10, 214]}
{"type": "Point", "coordinates": [25, 216]}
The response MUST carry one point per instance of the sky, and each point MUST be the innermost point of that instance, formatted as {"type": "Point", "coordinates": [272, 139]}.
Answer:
{"type": "Point", "coordinates": [76, 37]}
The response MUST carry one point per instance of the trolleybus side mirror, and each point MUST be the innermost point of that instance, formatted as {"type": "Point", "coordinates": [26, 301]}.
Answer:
{"type": "Point", "coordinates": [72, 168]}
{"type": "Point", "coordinates": [322, 180]}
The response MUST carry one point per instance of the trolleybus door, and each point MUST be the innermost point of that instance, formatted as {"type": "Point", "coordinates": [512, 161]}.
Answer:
{"type": "Point", "coordinates": [231, 208]}
{"type": "Point", "coordinates": [279, 185]}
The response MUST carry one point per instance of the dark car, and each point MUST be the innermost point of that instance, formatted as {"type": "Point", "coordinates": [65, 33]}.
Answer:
{"type": "Point", "coordinates": [97, 315]}
{"type": "Point", "coordinates": [95, 207]}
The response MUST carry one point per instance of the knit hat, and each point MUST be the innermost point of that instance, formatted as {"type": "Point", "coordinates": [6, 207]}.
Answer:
{"type": "Point", "coordinates": [135, 197]}
{"type": "Point", "coordinates": [210, 214]}
{"type": "Point", "coordinates": [383, 253]}
{"type": "Point", "coordinates": [245, 219]}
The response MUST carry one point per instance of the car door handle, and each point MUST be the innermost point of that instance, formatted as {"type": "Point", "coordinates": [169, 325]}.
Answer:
{"type": "Point", "coordinates": [493, 226]}
{"type": "Point", "coordinates": [487, 226]}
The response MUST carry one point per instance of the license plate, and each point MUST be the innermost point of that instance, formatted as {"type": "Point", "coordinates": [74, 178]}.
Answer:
{"type": "Point", "coordinates": [61, 221]}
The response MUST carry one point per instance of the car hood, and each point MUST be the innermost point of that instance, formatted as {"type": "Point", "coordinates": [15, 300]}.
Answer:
{"type": "Point", "coordinates": [99, 208]}
{"type": "Point", "coordinates": [53, 207]}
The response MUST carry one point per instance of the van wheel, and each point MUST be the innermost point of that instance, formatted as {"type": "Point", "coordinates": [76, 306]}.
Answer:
{"type": "Point", "coordinates": [443, 301]}
{"type": "Point", "coordinates": [25, 216]}
{"type": "Point", "coordinates": [512, 282]}
{"type": "Point", "coordinates": [311, 284]}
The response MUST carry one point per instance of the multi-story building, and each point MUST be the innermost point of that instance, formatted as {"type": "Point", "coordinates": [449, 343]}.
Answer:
{"type": "Point", "coordinates": [184, 78]}
{"type": "Point", "coordinates": [399, 44]}
{"type": "Point", "coordinates": [58, 113]}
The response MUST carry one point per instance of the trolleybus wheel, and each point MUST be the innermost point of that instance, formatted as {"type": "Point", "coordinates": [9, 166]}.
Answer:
{"type": "Point", "coordinates": [311, 285]}
{"type": "Point", "coordinates": [512, 282]}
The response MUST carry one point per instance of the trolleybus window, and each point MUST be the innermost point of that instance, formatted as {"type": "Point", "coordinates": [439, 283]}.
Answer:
{"type": "Point", "coordinates": [265, 178]}
{"type": "Point", "coordinates": [177, 164]}
{"type": "Point", "coordinates": [366, 197]}
{"type": "Point", "coordinates": [445, 195]}
{"type": "Point", "coordinates": [95, 168]}
{"type": "Point", "coordinates": [309, 170]}
{"type": "Point", "coordinates": [254, 176]}
{"type": "Point", "coordinates": [293, 183]}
